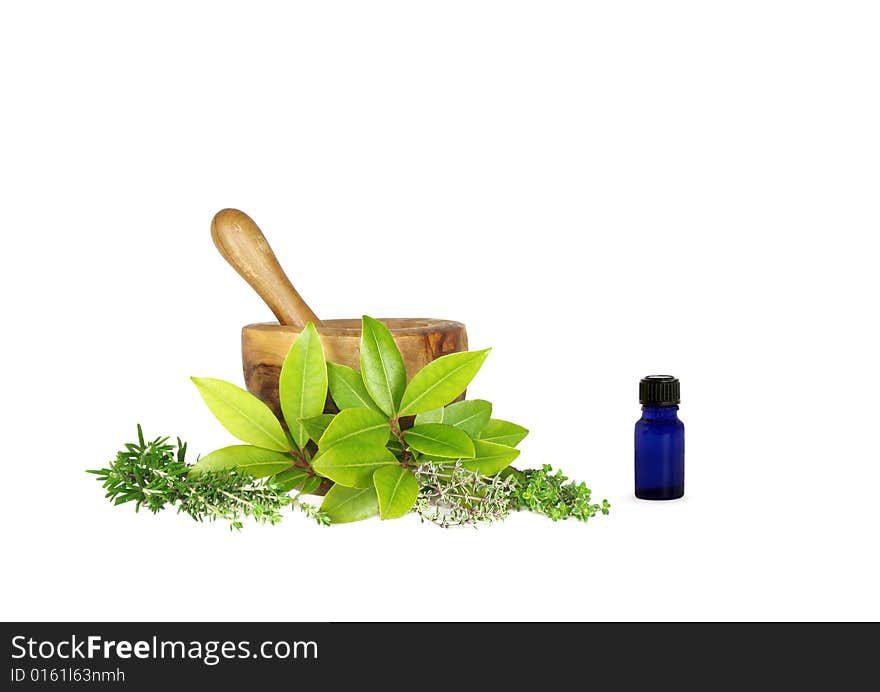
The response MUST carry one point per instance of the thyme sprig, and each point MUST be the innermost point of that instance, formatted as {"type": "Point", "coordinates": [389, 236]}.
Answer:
{"type": "Point", "coordinates": [548, 493]}
{"type": "Point", "coordinates": [154, 475]}
{"type": "Point", "coordinates": [451, 495]}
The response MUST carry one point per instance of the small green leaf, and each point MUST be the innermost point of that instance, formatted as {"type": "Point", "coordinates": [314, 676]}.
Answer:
{"type": "Point", "coordinates": [352, 447]}
{"type": "Point", "coordinates": [382, 367]}
{"type": "Point", "coordinates": [242, 414]}
{"type": "Point", "coordinates": [316, 425]}
{"type": "Point", "coordinates": [255, 461]}
{"type": "Point", "coordinates": [490, 458]}
{"type": "Point", "coordinates": [397, 490]}
{"type": "Point", "coordinates": [470, 416]}
{"type": "Point", "coordinates": [440, 381]}
{"type": "Point", "coordinates": [296, 478]}
{"type": "Point", "coordinates": [347, 388]}
{"type": "Point", "coordinates": [302, 385]}
{"type": "Point", "coordinates": [439, 440]}
{"type": "Point", "coordinates": [311, 484]}
{"type": "Point", "coordinates": [503, 432]}
{"type": "Point", "coordinates": [344, 505]}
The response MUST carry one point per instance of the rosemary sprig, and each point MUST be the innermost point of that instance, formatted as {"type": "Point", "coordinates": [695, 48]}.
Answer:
{"type": "Point", "coordinates": [155, 475]}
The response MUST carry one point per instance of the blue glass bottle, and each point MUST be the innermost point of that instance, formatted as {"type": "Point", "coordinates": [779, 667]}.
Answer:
{"type": "Point", "coordinates": [659, 440]}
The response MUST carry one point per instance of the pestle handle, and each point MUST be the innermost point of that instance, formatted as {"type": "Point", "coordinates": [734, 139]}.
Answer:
{"type": "Point", "coordinates": [243, 245]}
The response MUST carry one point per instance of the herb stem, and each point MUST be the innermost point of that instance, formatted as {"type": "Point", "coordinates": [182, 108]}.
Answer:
{"type": "Point", "coordinates": [406, 455]}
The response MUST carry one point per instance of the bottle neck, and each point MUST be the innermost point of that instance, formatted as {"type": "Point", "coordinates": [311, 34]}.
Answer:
{"type": "Point", "coordinates": [660, 412]}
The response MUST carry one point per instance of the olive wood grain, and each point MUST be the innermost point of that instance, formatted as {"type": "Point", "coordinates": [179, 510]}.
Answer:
{"type": "Point", "coordinates": [420, 340]}
{"type": "Point", "coordinates": [244, 246]}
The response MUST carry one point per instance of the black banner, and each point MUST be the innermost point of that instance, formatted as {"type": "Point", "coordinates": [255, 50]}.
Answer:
{"type": "Point", "coordinates": [408, 655]}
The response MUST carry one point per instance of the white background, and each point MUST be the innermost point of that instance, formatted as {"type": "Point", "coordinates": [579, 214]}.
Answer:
{"type": "Point", "coordinates": [598, 190]}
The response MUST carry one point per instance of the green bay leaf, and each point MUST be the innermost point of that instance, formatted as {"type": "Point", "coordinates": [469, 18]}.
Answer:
{"type": "Point", "coordinates": [441, 381]}
{"type": "Point", "coordinates": [316, 425]}
{"type": "Point", "coordinates": [254, 461]}
{"type": "Point", "coordinates": [351, 464]}
{"type": "Point", "coordinates": [503, 432]}
{"type": "Point", "coordinates": [490, 458]}
{"type": "Point", "coordinates": [242, 414]}
{"type": "Point", "coordinates": [295, 478]}
{"type": "Point", "coordinates": [310, 485]}
{"type": "Point", "coordinates": [382, 368]}
{"type": "Point", "coordinates": [345, 505]}
{"type": "Point", "coordinates": [397, 490]}
{"type": "Point", "coordinates": [302, 384]}
{"type": "Point", "coordinates": [364, 425]}
{"type": "Point", "coordinates": [353, 447]}
{"type": "Point", "coordinates": [347, 388]}
{"type": "Point", "coordinates": [439, 440]}
{"type": "Point", "coordinates": [470, 416]}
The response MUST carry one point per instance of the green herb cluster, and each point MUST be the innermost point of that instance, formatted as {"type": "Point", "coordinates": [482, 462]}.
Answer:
{"type": "Point", "coordinates": [155, 475]}
{"type": "Point", "coordinates": [455, 496]}
{"type": "Point", "coordinates": [384, 430]}
{"type": "Point", "coordinates": [392, 447]}
{"type": "Point", "coordinates": [545, 492]}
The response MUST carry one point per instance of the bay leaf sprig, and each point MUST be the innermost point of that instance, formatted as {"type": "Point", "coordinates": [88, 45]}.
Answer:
{"type": "Point", "coordinates": [272, 448]}
{"type": "Point", "coordinates": [387, 428]}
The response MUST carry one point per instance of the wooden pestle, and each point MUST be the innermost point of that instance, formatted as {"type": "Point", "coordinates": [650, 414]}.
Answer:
{"type": "Point", "coordinates": [264, 346]}
{"type": "Point", "coordinates": [243, 245]}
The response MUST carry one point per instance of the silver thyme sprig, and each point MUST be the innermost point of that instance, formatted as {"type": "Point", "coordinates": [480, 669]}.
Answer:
{"type": "Point", "coordinates": [452, 495]}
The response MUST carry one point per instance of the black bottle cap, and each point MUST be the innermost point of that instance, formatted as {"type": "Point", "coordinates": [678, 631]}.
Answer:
{"type": "Point", "coordinates": [659, 390]}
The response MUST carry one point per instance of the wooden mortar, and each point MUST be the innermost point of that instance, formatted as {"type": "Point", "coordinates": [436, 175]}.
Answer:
{"type": "Point", "coordinates": [264, 345]}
